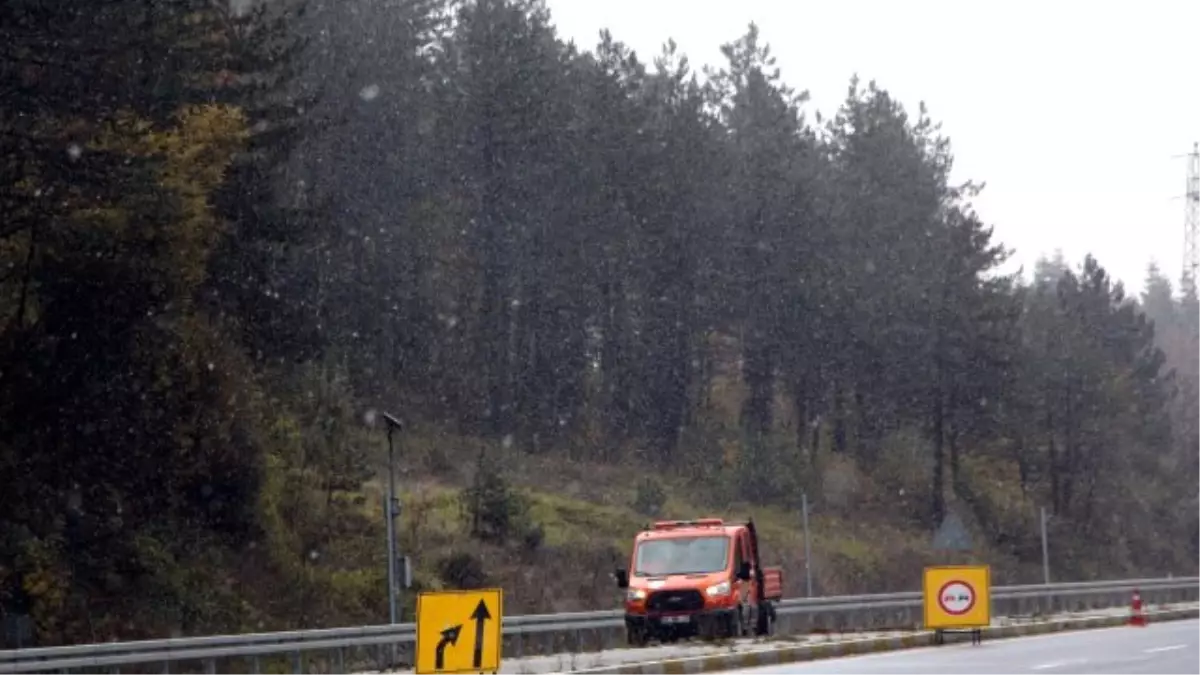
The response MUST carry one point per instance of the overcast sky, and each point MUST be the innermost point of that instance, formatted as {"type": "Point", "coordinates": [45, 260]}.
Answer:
{"type": "Point", "coordinates": [1070, 111]}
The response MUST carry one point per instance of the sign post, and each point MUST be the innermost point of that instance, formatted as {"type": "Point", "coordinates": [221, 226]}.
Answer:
{"type": "Point", "coordinates": [957, 598]}
{"type": "Point", "coordinates": [459, 631]}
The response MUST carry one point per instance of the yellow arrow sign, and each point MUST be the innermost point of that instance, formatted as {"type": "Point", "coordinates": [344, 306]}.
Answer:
{"type": "Point", "coordinates": [459, 631]}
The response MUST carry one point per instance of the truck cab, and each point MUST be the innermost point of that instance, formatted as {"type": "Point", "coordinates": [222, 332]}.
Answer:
{"type": "Point", "coordinates": [698, 578]}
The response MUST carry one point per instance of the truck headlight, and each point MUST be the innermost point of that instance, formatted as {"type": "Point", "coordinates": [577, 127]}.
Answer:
{"type": "Point", "coordinates": [719, 590]}
{"type": "Point", "coordinates": [635, 594]}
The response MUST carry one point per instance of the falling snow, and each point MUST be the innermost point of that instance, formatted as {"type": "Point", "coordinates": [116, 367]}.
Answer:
{"type": "Point", "coordinates": [369, 92]}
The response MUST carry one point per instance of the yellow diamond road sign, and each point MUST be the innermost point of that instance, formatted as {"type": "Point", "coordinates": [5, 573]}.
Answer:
{"type": "Point", "coordinates": [459, 631]}
{"type": "Point", "coordinates": [957, 596]}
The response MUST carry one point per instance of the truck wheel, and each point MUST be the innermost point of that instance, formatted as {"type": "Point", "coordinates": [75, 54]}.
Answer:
{"type": "Point", "coordinates": [635, 637]}
{"type": "Point", "coordinates": [734, 627]}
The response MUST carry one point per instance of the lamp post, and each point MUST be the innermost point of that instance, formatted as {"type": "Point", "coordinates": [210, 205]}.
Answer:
{"type": "Point", "coordinates": [391, 510]}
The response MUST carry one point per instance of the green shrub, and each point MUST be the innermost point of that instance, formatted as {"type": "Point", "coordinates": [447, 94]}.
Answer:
{"type": "Point", "coordinates": [462, 570]}
{"type": "Point", "coordinates": [650, 497]}
{"type": "Point", "coordinates": [495, 511]}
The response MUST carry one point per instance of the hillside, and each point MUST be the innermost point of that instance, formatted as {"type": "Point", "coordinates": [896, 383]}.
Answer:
{"type": "Point", "coordinates": [868, 531]}
{"type": "Point", "coordinates": [594, 285]}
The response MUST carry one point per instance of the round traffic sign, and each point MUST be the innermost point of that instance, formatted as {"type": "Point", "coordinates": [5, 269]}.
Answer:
{"type": "Point", "coordinates": [956, 597]}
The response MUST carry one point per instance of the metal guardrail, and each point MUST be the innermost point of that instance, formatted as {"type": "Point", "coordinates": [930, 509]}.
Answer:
{"type": "Point", "coordinates": [296, 644]}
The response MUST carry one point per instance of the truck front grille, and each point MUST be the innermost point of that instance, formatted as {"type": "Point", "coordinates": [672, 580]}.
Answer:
{"type": "Point", "coordinates": [675, 601]}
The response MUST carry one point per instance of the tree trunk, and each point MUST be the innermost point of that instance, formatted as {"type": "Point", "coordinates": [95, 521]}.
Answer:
{"type": "Point", "coordinates": [938, 504]}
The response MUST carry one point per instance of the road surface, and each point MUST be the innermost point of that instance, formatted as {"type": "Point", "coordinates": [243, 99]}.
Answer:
{"type": "Point", "coordinates": [1168, 647]}
{"type": "Point", "coordinates": [566, 662]}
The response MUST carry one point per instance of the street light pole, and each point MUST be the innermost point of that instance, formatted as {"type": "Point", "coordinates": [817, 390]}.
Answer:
{"type": "Point", "coordinates": [390, 511]}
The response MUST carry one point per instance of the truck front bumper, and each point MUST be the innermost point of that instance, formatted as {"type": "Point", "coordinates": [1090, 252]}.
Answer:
{"type": "Point", "coordinates": [708, 621]}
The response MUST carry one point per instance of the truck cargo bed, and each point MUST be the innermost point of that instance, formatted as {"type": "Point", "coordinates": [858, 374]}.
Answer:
{"type": "Point", "coordinates": [773, 583]}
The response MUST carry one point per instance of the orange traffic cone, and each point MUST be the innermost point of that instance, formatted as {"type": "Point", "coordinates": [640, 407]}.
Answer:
{"type": "Point", "coordinates": [1137, 617]}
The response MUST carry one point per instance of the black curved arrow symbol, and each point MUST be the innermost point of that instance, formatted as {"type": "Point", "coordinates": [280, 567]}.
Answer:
{"type": "Point", "coordinates": [449, 637]}
{"type": "Point", "coordinates": [481, 615]}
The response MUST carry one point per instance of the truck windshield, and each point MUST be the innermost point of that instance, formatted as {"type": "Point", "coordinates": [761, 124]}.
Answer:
{"type": "Point", "coordinates": [682, 555]}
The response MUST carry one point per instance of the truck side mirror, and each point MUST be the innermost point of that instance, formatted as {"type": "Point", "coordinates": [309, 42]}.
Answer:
{"type": "Point", "coordinates": [622, 578]}
{"type": "Point", "coordinates": [743, 571]}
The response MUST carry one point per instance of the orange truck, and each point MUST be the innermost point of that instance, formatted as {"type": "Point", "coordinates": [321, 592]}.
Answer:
{"type": "Point", "coordinates": [698, 578]}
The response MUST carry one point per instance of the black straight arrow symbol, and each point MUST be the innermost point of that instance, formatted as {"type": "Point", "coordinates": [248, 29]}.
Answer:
{"type": "Point", "coordinates": [449, 637]}
{"type": "Point", "coordinates": [481, 615]}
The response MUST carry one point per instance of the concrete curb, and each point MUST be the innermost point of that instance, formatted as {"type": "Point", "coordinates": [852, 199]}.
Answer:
{"type": "Point", "coordinates": [780, 655]}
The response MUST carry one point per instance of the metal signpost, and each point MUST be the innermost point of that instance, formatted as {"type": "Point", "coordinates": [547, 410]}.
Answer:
{"type": "Point", "coordinates": [459, 631]}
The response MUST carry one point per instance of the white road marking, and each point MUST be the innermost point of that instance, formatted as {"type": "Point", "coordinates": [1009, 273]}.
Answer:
{"type": "Point", "coordinates": [1169, 648]}
{"type": "Point", "coordinates": [1059, 664]}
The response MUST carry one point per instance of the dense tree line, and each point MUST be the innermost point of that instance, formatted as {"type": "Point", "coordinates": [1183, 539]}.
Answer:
{"type": "Point", "coordinates": [251, 226]}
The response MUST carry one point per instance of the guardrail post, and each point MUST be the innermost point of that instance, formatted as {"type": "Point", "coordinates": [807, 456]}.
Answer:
{"type": "Point", "coordinates": [254, 667]}
{"type": "Point", "coordinates": [210, 666]}
{"type": "Point", "coordinates": [341, 660]}
{"type": "Point", "coordinates": [298, 663]}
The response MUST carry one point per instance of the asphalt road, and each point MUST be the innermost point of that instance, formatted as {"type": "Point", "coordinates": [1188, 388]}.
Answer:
{"type": "Point", "coordinates": [1168, 647]}
{"type": "Point", "coordinates": [558, 663]}
{"type": "Point", "coordinates": [891, 663]}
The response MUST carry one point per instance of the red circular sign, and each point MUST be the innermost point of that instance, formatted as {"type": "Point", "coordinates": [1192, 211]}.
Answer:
{"type": "Point", "coordinates": [956, 597]}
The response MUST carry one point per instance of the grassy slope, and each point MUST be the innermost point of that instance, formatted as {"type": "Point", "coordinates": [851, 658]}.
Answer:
{"type": "Point", "coordinates": [863, 540]}
{"type": "Point", "coordinates": [868, 528]}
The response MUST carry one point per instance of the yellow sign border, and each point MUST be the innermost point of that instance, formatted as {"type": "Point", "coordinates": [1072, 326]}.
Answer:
{"type": "Point", "coordinates": [499, 592]}
{"type": "Point", "coordinates": [986, 595]}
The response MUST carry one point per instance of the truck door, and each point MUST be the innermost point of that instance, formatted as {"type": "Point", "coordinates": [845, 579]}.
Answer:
{"type": "Point", "coordinates": [742, 552]}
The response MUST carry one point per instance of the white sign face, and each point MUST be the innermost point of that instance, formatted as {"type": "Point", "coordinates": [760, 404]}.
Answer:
{"type": "Point", "coordinates": [956, 598]}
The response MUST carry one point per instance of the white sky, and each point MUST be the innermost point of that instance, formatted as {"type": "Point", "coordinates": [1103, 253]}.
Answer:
{"type": "Point", "coordinates": [1070, 111]}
